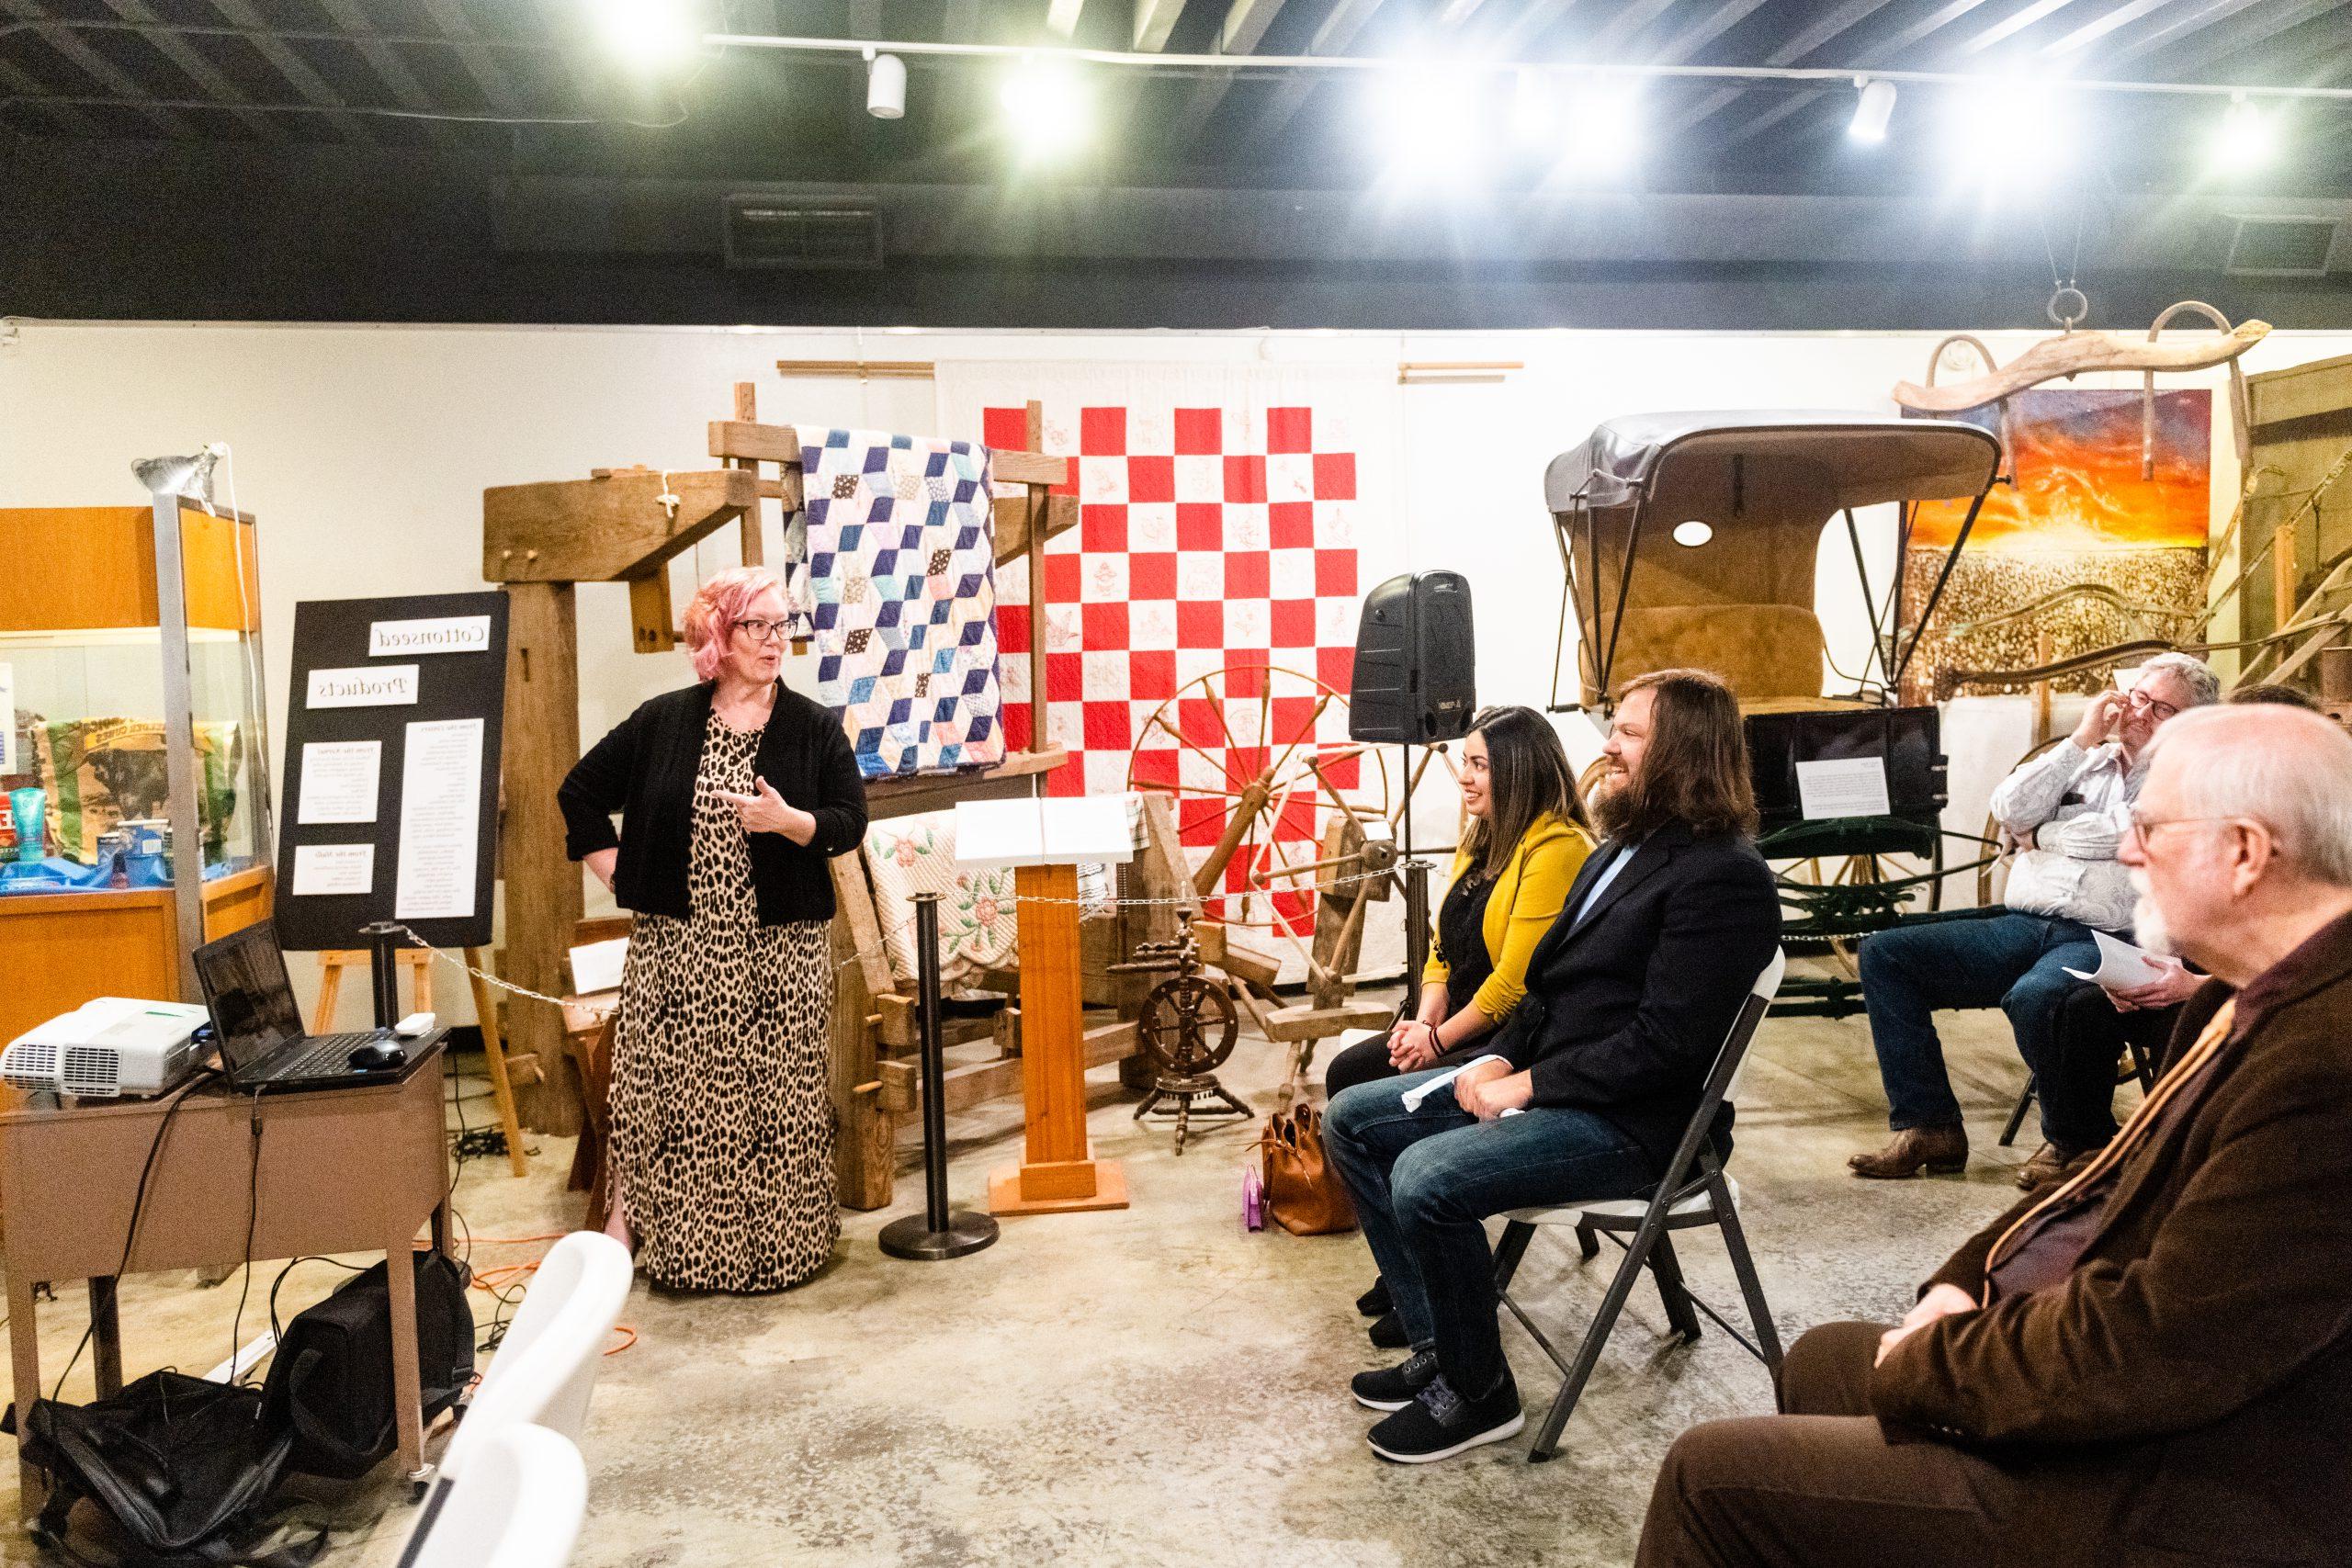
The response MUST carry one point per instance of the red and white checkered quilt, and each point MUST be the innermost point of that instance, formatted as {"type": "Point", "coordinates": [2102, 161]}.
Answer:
{"type": "Point", "coordinates": [1211, 539]}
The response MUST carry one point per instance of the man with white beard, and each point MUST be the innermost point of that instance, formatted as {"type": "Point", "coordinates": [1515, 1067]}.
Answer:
{"type": "Point", "coordinates": [2152, 1362]}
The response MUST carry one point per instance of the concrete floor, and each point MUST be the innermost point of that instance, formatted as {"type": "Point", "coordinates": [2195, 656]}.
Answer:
{"type": "Point", "coordinates": [1157, 1385]}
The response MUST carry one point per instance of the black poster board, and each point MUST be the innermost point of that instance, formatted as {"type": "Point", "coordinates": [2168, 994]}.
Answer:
{"type": "Point", "coordinates": [448, 688]}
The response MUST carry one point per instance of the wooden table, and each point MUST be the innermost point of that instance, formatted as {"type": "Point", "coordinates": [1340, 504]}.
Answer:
{"type": "Point", "coordinates": [339, 1170]}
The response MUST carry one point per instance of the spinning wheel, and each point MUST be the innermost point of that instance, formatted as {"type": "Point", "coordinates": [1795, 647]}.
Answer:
{"type": "Point", "coordinates": [1187, 1028]}
{"type": "Point", "coordinates": [1297, 829]}
{"type": "Point", "coordinates": [1242, 754]}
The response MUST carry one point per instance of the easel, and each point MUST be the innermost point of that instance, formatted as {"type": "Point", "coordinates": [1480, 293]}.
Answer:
{"type": "Point", "coordinates": [418, 961]}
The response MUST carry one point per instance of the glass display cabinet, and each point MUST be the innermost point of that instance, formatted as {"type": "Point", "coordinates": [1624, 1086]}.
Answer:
{"type": "Point", "coordinates": [134, 774]}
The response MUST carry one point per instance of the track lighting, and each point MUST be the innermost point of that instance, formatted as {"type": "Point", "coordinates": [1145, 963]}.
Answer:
{"type": "Point", "coordinates": [1871, 115]}
{"type": "Point", "coordinates": [886, 85]}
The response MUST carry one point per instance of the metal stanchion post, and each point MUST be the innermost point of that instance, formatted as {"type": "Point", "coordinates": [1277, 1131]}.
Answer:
{"type": "Point", "coordinates": [1417, 922]}
{"type": "Point", "coordinates": [938, 1231]}
{"type": "Point", "coordinates": [383, 970]}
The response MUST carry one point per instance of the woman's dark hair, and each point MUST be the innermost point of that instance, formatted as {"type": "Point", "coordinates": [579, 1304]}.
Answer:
{"type": "Point", "coordinates": [1695, 770]}
{"type": "Point", "coordinates": [1527, 775]}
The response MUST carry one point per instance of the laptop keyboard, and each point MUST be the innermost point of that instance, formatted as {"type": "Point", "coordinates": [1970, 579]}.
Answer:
{"type": "Point", "coordinates": [327, 1054]}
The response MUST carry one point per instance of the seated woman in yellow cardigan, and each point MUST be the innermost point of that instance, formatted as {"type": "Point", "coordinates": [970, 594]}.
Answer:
{"type": "Point", "coordinates": [1525, 841]}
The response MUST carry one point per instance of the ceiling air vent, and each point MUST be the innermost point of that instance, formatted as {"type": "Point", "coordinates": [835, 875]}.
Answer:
{"type": "Point", "coordinates": [2281, 247]}
{"type": "Point", "coordinates": [762, 232]}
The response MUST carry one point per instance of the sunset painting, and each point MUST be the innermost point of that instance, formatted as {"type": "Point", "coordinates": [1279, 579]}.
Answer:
{"type": "Point", "coordinates": [2078, 486]}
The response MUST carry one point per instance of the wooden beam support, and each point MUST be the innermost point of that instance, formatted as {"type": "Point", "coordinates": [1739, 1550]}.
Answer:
{"type": "Point", "coordinates": [542, 742]}
{"type": "Point", "coordinates": [605, 530]}
{"type": "Point", "coordinates": [1012, 513]}
{"type": "Point", "coordinates": [1028, 467]}
{"type": "Point", "coordinates": [748, 440]}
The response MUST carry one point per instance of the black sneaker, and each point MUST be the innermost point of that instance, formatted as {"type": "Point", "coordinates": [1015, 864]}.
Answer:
{"type": "Point", "coordinates": [1440, 1423]}
{"type": "Point", "coordinates": [1375, 1303]}
{"type": "Point", "coordinates": [1393, 1388]}
{"type": "Point", "coordinates": [1388, 1333]}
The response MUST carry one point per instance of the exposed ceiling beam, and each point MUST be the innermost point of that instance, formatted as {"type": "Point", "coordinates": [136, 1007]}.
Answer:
{"type": "Point", "coordinates": [296, 70]}
{"type": "Point", "coordinates": [1625, 22]}
{"type": "Point", "coordinates": [1845, 17]}
{"type": "Point", "coordinates": [2009, 26]}
{"type": "Point", "coordinates": [1678, 48]}
{"type": "Point", "coordinates": [30, 91]}
{"type": "Point", "coordinates": [1061, 16]}
{"type": "Point", "coordinates": [2099, 27]}
{"type": "Point", "coordinates": [1244, 27]}
{"type": "Point", "coordinates": [497, 87]}
{"type": "Point", "coordinates": [1534, 21]}
{"type": "Point", "coordinates": [1338, 31]}
{"type": "Point", "coordinates": [1155, 20]}
{"type": "Point", "coordinates": [386, 63]}
{"type": "Point", "coordinates": [97, 66]}
{"type": "Point", "coordinates": [2230, 34]}
{"type": "Point", "coordinates": [207, 76]}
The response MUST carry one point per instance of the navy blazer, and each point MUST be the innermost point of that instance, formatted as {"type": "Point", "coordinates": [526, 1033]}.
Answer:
{"type": "Point", "coordinates": [645, 768]}
{"type": "Point", "coordinates": [1627, 1008]}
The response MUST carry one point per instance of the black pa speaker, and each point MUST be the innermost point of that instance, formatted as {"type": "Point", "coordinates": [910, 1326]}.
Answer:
{"type": "Point", "coordinates": [1414, 662]}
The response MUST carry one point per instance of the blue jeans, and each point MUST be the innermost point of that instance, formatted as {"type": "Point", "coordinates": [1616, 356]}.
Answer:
{"type": "Point", "coordinates": [1425, 1180]}
{"type": "Point", "coordinates": [1977, 959]}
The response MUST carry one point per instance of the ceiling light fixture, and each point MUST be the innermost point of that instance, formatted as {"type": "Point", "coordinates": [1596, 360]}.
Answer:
{"type": "Point", "coordinates": [1535, 106]}
{"type": "Point", "coordinates": [2014, 136]}
{"type": "Point", "coordinates": [2246, 139]}
{"type": "Point", "coordinates": [1047, 107]}
{"type": "Point", "coordinates": [1425, 117]}
{"type": "Point", "coordinates": [646, 34]}
{"type": "Point", "coordinates": [1604, 125]}
{"type": "Point", "coordinates": [1872, 113]}
{"type": "Point", "coordinates": [886, 85]}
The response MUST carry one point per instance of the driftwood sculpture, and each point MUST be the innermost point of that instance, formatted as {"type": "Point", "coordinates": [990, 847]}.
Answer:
{"type": "Point", "coordinates": [2074, 353]}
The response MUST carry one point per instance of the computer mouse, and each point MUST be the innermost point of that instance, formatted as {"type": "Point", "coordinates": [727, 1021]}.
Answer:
{"type": "Point", "coordinates": [376, 1056]}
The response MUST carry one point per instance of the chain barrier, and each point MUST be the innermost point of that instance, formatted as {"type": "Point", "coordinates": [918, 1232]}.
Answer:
{"type": "Point", "coordinates": [860, 954]}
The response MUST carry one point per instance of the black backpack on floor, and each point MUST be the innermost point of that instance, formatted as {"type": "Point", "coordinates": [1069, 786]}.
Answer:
{"type": "Point", "coordinates": [330, 1386]}
{"type": "Point", "coordinates": [184, 1468]}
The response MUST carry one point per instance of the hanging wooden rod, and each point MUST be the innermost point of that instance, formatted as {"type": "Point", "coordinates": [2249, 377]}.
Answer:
{"type": "Point", "coordinates": [863, 369]}
{"type": "Point", "coordinates": [1454, 372]}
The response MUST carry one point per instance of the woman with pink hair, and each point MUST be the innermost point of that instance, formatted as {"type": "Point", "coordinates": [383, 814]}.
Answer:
{"type": "Point", "coordinates": [733, 794]}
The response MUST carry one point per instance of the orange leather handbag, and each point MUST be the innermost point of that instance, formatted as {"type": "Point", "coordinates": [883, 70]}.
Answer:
{"type": "Point", "coordinates": [1304, 1194]}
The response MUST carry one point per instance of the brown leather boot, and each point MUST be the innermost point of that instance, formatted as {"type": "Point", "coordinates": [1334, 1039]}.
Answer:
{"type": "Point", "coordinates": [2051, 1163]}
{"type": "Point", "coordinates": [1942, 1150]}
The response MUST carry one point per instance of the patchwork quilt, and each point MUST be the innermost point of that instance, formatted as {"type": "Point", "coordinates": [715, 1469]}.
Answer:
{"type": "Point", "coordinates": [902, 584]}
{"type": "Point", "coordinates": [977, 921]}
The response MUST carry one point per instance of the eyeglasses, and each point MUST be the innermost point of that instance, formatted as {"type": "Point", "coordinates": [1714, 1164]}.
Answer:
{"type": "Point", "coordinates": [2164, 711]}
{"type": "Point", "coordinates": [2146, 828]}
{"type": "Point", "coordinates": [759, 630]}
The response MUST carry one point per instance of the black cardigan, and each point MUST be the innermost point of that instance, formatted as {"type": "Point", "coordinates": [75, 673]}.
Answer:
{"type": "Point", "coordinates": [1626, 1008]}
{"type": "Point", "coordinates": [645, 770]}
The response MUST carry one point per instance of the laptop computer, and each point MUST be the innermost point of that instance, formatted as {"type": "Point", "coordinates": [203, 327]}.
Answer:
{"type": "Point", "coordinates": [259, 1027]}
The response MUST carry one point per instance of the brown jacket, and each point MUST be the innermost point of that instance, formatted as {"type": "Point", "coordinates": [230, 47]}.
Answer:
{"type": "Point", "coordinates": [2185, 1396]}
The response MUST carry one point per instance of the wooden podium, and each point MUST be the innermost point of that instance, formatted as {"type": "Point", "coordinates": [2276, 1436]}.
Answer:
{"type": "Point", "coordinates": [1043, 841]}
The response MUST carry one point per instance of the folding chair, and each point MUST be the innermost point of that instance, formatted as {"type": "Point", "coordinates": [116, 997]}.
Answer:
{"type": "Point", "coordinates": [2086, 1007]}
{"type": "Point", "coordinates": [1694, 1193]}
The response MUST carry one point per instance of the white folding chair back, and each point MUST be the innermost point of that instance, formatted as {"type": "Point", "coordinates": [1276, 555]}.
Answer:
{"type": "Point", "coordinates": [520, 1505]}
{"type": "Point", "coordinates": [1767, 986]}
{"type": "Point", "coordinates": [545, 1369]}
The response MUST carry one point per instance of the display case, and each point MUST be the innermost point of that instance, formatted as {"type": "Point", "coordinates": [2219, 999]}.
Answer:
{"type": "Point", "coordinates": [130, 691]}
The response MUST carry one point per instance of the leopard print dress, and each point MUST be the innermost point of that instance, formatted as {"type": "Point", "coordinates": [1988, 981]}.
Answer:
{"type": "Point", "coordinates": [722, 1126]}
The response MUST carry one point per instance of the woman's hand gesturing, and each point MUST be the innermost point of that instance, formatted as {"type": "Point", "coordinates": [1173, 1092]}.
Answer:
{"type": "Point", "coordinates": [768, 812]}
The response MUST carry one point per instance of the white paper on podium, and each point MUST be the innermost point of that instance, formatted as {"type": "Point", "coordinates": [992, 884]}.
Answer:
{"type": "Point", "coordinates": [1044, 832]}
{"type": "Point", "coordinates": [2122, 966]}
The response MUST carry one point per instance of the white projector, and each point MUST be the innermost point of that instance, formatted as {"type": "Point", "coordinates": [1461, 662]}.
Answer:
{"type": "Point", "coordinates": [107, 1048]}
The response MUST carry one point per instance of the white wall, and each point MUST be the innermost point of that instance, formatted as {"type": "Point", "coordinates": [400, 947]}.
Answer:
{"type": "Point", "coordinates": [364, 451]}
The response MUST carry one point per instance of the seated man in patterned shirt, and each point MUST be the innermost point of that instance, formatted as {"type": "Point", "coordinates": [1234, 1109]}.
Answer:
{"type": "Point", "coordinates": [2068, 808]}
